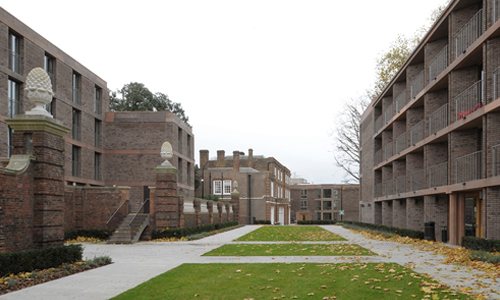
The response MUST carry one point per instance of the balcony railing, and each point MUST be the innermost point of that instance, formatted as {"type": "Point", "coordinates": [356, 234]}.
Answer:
{"type": "Point", "coordinates": [438, 119]}
{"type": "Point", "coordinates": [468, 167]}
{"type": "Point", "coordinates": [417, 85]}
{"type": "Point", "coordinates": [496, 10]}
{"type": "Point", "coordinates": [469, 100]}
{"type": "Point", "coordinates": [401, 184]}
{"type": "Point", "coordinates": [388, 113]}
{"type": "Point", "coordinates": [417, 133]}
{"type": "Point", "coordinates": [401, 143]}
{"type": "Point", "coordinates": [438, 175]}
{"type": "Point", "coordinates": [387, 188]}
{"type": "Point", "coordinates": [388, 151]}
{"type": "Point", "coordinates": [496, 83]}
{"type": "Point", "coordinates": [378, 157]}
{"type": "Point", "coordinates": [378, 123]}
{"type": "Point", "coordinates": [495, 160]}
{"type": "Point", "coordinates": [438, 64]}
{"type": "Point", "coordinates": [469, 33]}
{"type": "Point", "coordinates": [400, 101]}
{"type": "Point", "coordinates": [417, 180]}
{"type": "Point", "coordinates": [378, 190]}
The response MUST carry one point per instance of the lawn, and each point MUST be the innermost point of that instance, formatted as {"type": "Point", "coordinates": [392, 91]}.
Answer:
{"type": "Point", "coordinates": [289, 250]}
{"type": "Point", "coordinates": [291, 281]}
{"type": "Point", "coordinates": [290, 234]}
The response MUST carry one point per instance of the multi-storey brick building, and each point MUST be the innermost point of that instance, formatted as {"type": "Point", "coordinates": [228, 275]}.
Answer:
{"type": "Point", "coordinates": [103, 148]}
{"type": "Point", "coordinates": [431, 141]}
{"type": "Point", "coordinates": [325, 201]}
{"type": "Point", "coordinates": [263, 184]}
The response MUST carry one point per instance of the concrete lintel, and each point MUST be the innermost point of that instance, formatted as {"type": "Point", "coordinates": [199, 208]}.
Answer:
{"type": "Point", "coordinates": [37, 123]}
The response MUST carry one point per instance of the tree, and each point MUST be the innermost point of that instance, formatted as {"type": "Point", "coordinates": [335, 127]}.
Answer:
{"type": "Point", "coordinates": [135, 96]}
{"type": "Point", "coordinates": [347, 137]}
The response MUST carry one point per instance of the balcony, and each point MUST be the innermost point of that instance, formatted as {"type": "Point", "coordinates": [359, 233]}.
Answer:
{"type": "Point", "coordinates": [401, 143]}
{"type": "Point", "coordinates": [388, 114]}
{"type": "Point", "coordinates": [400, 184]}
{"type": "Point", "coordinates": [378, 190]}
{"type": "Point", "coordinates": [400, 101]}
{"type": "Point", "coordinates": [496, 83]}
{"type": "Point", "coordinates": [417, 133]}
{"type": "Point", "coordinates": [417, 180]}
{"type": "Point", "coordinates": [469, 100]}
{"type": "Point", "coordinates": [378, 157]}
{"type": "Point", "coordinates": [378, 124]}
{"type": "Point", "coordinates": [495, 160]}
{"type": "Point", "coordinates": [388, 151]}
{"type": "Point", "coordinates": [438, 175]}
{"type": "Point", "coordinates": [438, 64]}
{"type": "Point", "coordinates": [438, 119]}
{"type": "Point", "coordinates": [417, 85]}
{"type": "Point", "coordinates": [468, 167]}
{"type": "Point", "coordinates": [469, 33]}
{"type": "Point", "coordinates": [387, 187]}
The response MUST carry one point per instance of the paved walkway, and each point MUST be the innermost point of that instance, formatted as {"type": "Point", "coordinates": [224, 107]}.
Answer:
{"type": "Point", "coordinates": [134, 264]}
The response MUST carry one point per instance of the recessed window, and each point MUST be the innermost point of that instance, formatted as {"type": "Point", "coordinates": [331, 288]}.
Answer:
{"type": "Point", "coordinates": [75, 158]}
{"type": "Point", "coordinates": [318, 205]}
{"type": "Point", "coordinates": [97, 166]}
{"type": "Point", "coordinates": [76, 88]}
{"type": "Point", "coordinates": [14, 52]}
{"type": "Point", "coordinates": [327, 205]}
{"type": "Point", "coordinates": [13, 96]}
{"type": "Point", "coordinates": [303, 204]}
{"type": "Point", "coordinates": [179, 167]}
{"type": "Point", "coordinates": [303, 193]}
{"type": "Point", "coordinates": [97, 133]}
{"type": "Point", "coordinates": [335, 193]}
{"type": "Point", "coordinates": [188, 171]}
{"type": "Point", "coordinates": [75, 129]}
{"type": "Point", "coordinates": [272, 189]}
{"type": "Point", "coordinates": [327, 193]}
{"type": "Point", "coordinates": [318, 193]}
{"type": "Point", "coordinates": [179, 140]}
{"type": "Point", "coordinates": [48, 66]}
{"type": "Point", "coordinates": [97, 100]}
{"type": "Point", "coordinates": [336, 205]}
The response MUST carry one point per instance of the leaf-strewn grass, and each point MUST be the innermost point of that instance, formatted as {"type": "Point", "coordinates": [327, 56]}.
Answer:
{"type": "Point", "coordinates": [291, 281]}
{"type": "Point", "coordinates": [290, 250]}
{"type": "Point", "coordinates": [290, 234]}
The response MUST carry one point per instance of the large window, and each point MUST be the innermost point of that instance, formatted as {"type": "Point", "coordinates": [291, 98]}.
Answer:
{"type": "Point", "coordinates": [327, 205]}
{"type": "Point", "coordinates": [318, 193]}
{"type": "Point", "coordinates": [272, 189]}
{"type": "Point", "coordinates": [220, 186]}
{"type": "Point", "coordinates": [303, 204]}
{"type": "Point", "coordinates": [48, 66]}
{"type": "Point", "coordinates": [327, 193]}
{"type": "Point", "coordinates": [14, 52]}
{"type": "Point", "coordinates": [179, 140]}
{"type": "Point", "coordinates": [335, 193]}
{"type": "Point", "coordinates": [97, 166]}
{"type": "Point", "coordinates": [76, 87]}
{"type": "Point", "coordinates": [318, 205]}
{"type": "Point", "coordinates": [97, 133]}
{"type": "Point", "coordinates": [303, 193]}
{"type": "Point", "coordinates": [13, 95]}
{"type": "Point", "coordinates": [75, 158]}
{"type": "Point", "coordinates": [97, 100]}
{"type": "Point", "coordinates": [75, 129]}
{"type": "Point", "coordinates": [335, 204]}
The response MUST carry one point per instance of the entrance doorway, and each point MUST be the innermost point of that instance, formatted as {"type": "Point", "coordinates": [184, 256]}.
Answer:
{"type": "Point", "coordinates": [473, 217]}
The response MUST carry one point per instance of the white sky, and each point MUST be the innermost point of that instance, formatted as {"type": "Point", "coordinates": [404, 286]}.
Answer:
{"type": "Point", "coordinates": [261, 74]}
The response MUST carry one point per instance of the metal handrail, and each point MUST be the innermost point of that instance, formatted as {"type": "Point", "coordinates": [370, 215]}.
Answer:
{"type": "Point", "coordinates": [116, 211]}
{"type": "Point", "coordinates": [137, 213]}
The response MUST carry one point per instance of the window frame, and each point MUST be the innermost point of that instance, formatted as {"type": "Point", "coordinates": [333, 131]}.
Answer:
{"type": "Point", "coordinates": [97, 166]}
{"type": "Point", "coordinates": [303, 204]}
{"type": "Point", "coordinates": [97, 100]}
{"type": "Point", "coordinates": [303, 193]}
{"type": "Point", "coordinates": [76, 124]}
{"type": "Point", "coordinates": [222, 187]}
{"type": "Point", "coordinates": [76, 161]}
{"type": "Point", "coordinates": [76, 87]}
{"type": "Point", "coordinates": [14, 48]}
{"type": "Point", "coordinates": [97, 133]}
{"type": "Point", "coordinates": [13, 96]}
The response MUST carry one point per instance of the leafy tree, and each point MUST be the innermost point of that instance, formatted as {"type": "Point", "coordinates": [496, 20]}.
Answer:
{"type": "Point", "coordinates": [135, 96]}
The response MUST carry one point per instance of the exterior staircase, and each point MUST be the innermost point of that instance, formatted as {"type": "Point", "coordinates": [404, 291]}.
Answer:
{"type": "Point", "coordinates": [129, 233]}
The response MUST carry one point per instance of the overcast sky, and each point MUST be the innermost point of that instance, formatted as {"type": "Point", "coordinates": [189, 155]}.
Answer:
{"type": "Point", "coordinates": [267, 75]}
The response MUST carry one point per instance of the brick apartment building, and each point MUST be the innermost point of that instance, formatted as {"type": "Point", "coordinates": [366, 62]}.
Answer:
{"type": "Point", "coordinates": [431, 141]}
{"type": "Point", "coordinates": [263, 184]}
{"type": "Point", "coordinates": [103, 148]}
{"type": "Point", "coordinates": [324, 201]}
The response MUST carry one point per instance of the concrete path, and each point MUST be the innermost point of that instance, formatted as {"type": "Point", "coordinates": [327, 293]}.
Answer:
{"type": "Point", "coordinates": [134, 264]}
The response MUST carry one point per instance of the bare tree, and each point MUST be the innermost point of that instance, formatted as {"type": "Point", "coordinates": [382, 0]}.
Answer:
{"type": "Point", "coordinates": [347, 137]}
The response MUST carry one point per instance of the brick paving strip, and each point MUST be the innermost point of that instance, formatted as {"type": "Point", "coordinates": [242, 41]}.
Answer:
{"type": "Point", "coordinates": [134, 264]}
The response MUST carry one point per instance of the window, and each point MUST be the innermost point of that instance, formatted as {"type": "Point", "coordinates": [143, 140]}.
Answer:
{"type": "Point", "coordinates": [303, 204]}
{"type": "Point", "coordinates": [188, 173]}
{"type": "Point", "coordinates": [48, 66]}
{"type": "Point", "coordinates": [303, 193]}
{"type": "Point", "coordinates": [97, 133]}
{"type": "Point", "coordinates": [97, 100]}
{"type": "Point", "coordinates": [75, 158]}
{"type": "Point", "coordinates": [76, 87]}
{"type": "Point", "coordinates": [218, 187]}
{"type": "Point", "coordinates": [327, 216]}
{"type": "Point", "coordinates": [318, 193]}
{"type": "Point", "coordinates": [75, 130]}
{"type": "Point", "coordinates": [327, 205]}
{"type": "Point", "coordinates": [14, 52]}
{"type": "Point", "coordinates": [97, 166]}
{"type": "Point", "coordinates": [13, 95]}
{"type": "Point", "coordinates": [335, 193]}
{"type": "Point", "coordinates": [49, 107]}
{"type": "Point", "coordinates": [227, 187]}
{"type": "Point", "coordinates": [327, 193]}
{"type": "Point", "coordinates": [272, 189]}
{"type": "Point", "coordinates": [179, 140]}
{"type": "Point", "coordinates": [318, 216]}
{"type": "Point", "coordinates": [179, 167]}
{"type": "Point", "coordinates": [318, 205]}
{"type": "Point", "coordinates": [336, 205]}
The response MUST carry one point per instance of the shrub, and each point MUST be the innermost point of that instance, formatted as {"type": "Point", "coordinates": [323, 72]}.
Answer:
{"type": "Point", "coordinates": [265, 222]}
{"type": "Point", "coordinates": [90, 233]}
{"type": "Point", "coordinates": [480, 244]}
{"type": "Point", "coordinates": [212, 197]}
{"type": "Point", "coordinates": [38, 259]}
{"type": "Point", "coordinates": [316, 222]}
{"type": "Point", "coordinates": [415, 234]}
{"type": "Point", "coordinates": [493, 258]}
{"type": "Point", "coordinates": [184, 232]}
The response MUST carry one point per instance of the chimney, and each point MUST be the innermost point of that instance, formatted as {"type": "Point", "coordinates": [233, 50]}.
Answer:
{"type": "Point", "coordinates": [203, 158]}
{"type": "Point", "coordinates": [220, 158]}
{"type": "Point", "coordinates": [250, 157]}
{"type": "Point", "coordinates": [236, 161]}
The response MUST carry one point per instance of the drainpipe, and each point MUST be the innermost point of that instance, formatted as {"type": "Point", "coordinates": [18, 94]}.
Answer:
{"type": "Point", "coordinates": [249, 199]}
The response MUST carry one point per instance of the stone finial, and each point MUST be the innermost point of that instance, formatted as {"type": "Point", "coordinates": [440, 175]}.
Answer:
{"type": "Point", "coordinates": [235, 185]}
{"type": "Point", "coordinates": [166, 154]}
{"type": "Point", "coordinates": [39, 90]}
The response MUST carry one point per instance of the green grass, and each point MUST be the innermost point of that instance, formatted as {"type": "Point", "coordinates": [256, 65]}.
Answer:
{"type": "Point", "coordinates": [289, 250]}
{"type": "Point", "coordinates": [290, 234]}
{"type": "Point", "coordinates": [290, 281]}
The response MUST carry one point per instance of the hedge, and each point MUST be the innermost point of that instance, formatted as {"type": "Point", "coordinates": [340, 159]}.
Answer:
{"type": "Point", "coordinates": [480, 244]}
{"type": "Point", "coordinates": [416, 234]}
{"type": "Point", "coordinates": [265, 222]}
{"type": "Point", "coordinates": [187, 231]}
{"type": "Point", "coordinates": [315, 222]}
{"type": "Point", "coordinates": [91, 233]}
{"type": "Point", "coordinates": [39, 259]}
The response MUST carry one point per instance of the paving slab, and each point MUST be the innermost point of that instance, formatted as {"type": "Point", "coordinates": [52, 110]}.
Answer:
{"type": "Point", "coordinates": [137, 263]}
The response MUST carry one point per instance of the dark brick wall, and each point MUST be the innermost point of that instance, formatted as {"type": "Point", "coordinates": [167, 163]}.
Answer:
{"type": "Point", "coordinates": [387, 213]}
{"type": "Point", "coordinates": [399, 213]}
{"type": "Point", "coordinates": [415, 213]}
{"type": "Point", "coordinates": [492, 214]}
{"type": "Point", "coordinates": [436, 210]}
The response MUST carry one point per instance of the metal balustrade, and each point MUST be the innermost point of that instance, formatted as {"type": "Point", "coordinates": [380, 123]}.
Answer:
{"type": "Point", "coordinates": [469, 100]}
{"type": "Point", "coordinates": [378, 157]}
{"type": "Point", "coordinates": [438, 175]}
{"type": "Point", "coordinates": [388, 113]}
{"type": "Point", "coordinates": [438, 119]}
{"type": "Point", "coordinates": [417, 180]}
{"type": "Point", "coordinates": [468, 167]}
{"type": "Point", "coordinates": [378, 190]}
{"type": "Point", "coordinates": [400, 101]}
{"type": "Point", "coordinates": [495, 160]}
{"type": "Point", "coordinates": [496, 10]}
{"type": "Point", "coordinates": [417, 133]}
{"type": "Point", "coordinates": [469, 33]}
{"type": "Point", "coordinates": [388, 151]}
{"type": "Point", "coordinates": [401, 184]}
{"type": "Point", "coordinates": [387, 188]}
{"type": "Point", "coordinates": [401, 143]}
{"type": "Point", "coordinates": [417, 85]}
{"type": "Point", "coordinates": [378, 124]}
{"type": "Point", "coordinates": [439, 63]}
{"type": "Point", "coordinates": [496, 83]}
